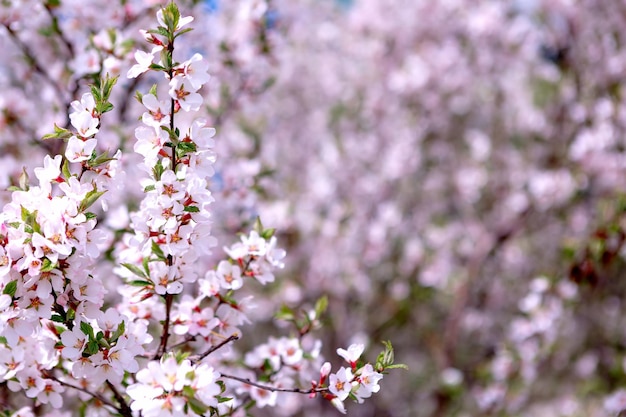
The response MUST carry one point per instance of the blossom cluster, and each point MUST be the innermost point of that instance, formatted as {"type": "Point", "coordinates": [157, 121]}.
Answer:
{"type": "Point", "coordinates": [164, 345]}
{"type": "Point", "coordinates": [51, 301]}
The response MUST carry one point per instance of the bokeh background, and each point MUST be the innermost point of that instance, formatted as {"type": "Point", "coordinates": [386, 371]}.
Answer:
{"type": "Point", "coordinates": [450, 174]}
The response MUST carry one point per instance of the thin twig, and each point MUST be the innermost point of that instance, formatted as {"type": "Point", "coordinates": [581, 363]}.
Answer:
{"type": "Point", "coordinates": [274, 389]}
{"type": "Point", "coordinates": [97, 396]}
{"type": "Point", "coordinates": [198, 358]}
{"type": "Point", "coordinates": [30, 57]}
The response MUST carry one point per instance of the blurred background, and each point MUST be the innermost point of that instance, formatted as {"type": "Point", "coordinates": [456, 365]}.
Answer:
{"type": "Point", "coordinates": [449, 173]}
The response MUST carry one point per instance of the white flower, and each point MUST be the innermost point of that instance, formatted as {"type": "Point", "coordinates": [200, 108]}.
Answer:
{"type": "Point", "coordinates": [144, 60]}
{"type": "Point", "coordinates": [155, 116]}
{"type": "Point", "coordinates": [73, 343]}
{"type": "Point", "coordinates": [196, 71]}
{"type": "Point", "coordinates": [340, 383]}
{"type": "Point", "coordinates": [79, 150]}
{"type": "Point", "coordinates": [353, 353]}
{"type": "Point", "coordinates": [368, 380]}
{"type": "Point", "coordinates": [183, 91]}
{"type": "Point", "coordinates": [229, 275]}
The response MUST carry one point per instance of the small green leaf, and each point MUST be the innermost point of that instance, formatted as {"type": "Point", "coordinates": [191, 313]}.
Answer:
{"type": "Point", "coordinates": [320, 306]}
{"type": "Point", "coordinates": [135, 270]}
{"type": "Point", "coordinates": [86, 329]}
{"type": "Point", "coordinates": [184, 148]}
{"type": "Point", "coordinates": [139, 283]}
{"type": "Point", "coordinates": [144, 263]}
{"type": "Point", "coordinates": [156, 250]}
{"type": "Point", "coordinates": [91, 197]}
{"type": "Point", "coordinates": [57, 318]}
{"type": "Point", "coordinates": [197, 406]}
{"type": "Point", "coordinates": [268, 233]}
{"type": "Point", "coordinates": [10, 288]}
{"type": "Point", "coordinates": [92, 348]}
{"type": "Point", "coordinates": [47, 265]}
{"type": "Point", "coordinates": [65, 169]}
{"type": "Point", "coordinates": [59, 133]}
{"type": "Point", "coordinates": [121, 328]}
{"type": "Point", "coordinates": [285, 313]}
{"type": "Point", "coordinates": [191, 209]}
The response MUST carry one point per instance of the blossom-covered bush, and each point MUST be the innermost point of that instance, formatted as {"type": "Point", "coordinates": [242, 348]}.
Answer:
{"type": "Point", "coordinates": [157, 341]}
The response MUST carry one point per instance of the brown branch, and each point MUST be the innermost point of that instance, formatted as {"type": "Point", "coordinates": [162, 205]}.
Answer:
{"type": "Point", "coordinates": [198, 358]}
{"type": "Point", "coordinates": [30, 58]}
{"type": "Point", "coordinates": [97, 396]}
{"type": "Point", "coordinates": [274, 389]}
{"type": "Point", "coordinates": [124, 409]}
{"type": "Point", "coordinates": [169, 298]}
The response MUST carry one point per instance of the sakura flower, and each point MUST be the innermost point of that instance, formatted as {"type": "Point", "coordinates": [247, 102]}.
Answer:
{"type": "Point", "coordinates": [86, 104]}
{"type": "Point", "coordinates": [229, 275]}
{"type": "Point", "coordinates": [73, 343]}
{"type": "Point", "coordinates": [50, 171]}
{"type": "Point", "coordinates": [353, 353]}
{"type": "Point", "coordinates": [185, 94]}
{"type": "Point", "coordinates": [51, 393]}
{"type": "Point", "coordinates": [156, 115]}
{"type": "Point", "coordinates": [144, 60]}
{"type": "Point", "coordinates": [79, 150]}
{"type": "Point", "coordinates": [202, 135]}
{"type": "Point", "coordinates": [149, 143]}
{"type": "Point", "coordinates": [196, 71]}
{"type": "Point", "coordinates": [368, 382]}
{"type": "Point", "coordinates": [338, 404]}
{"type": "Point", "coordinates": [340, 383]}
{"type": "Point", "coordinates": [85, 123]}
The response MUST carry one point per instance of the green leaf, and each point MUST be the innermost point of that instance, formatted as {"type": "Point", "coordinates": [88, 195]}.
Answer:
{"type": "Point", "coordinates": [121, 328]}
{"type": "Point", "coordinates": [139, 283]}
{"type": "Point", "coordinates": [221, 399]}
{"type": "Point", "coordinates": [86, 329]}
{"type": "Point", "coordinates": [65, 169]}
{"type": "Point", "coordinates": [197, 406]}
{"type": "Point", "coordinates": [47, 265]}
{"type": "Point", "coordinates": [89, 215]}
{"type": "Point", "coordinates": [191, 209]}
{"type": "Point", "coordinates": [91, 197]}
{"type": "Point", "coordinates": [92, 348]}
{"type": "Point", "coordinates": [144, 263]}
{"type": "Point", "coordinates": [149, 188]}
{"type": "Point", "coordinates": [57, 318]}
{"type": "Point", "coordinates": [184, 148]}
{"type": "Point", "coordinates": [30, 219]}
{"type": "Point", "coordinates": [268, 233]}
{"type": "Point", "coordinates": [156, 250]}
{"type": "Point", "coordinates": [398, 366]}
{"type": "Point", "coordinates": [101, 159]}
{"type": "Point", "coordinates": [182, 31]}
{"type": "Point", "coordinates": [59, 133]}
{"type": "Point", "coordinates": [320, 306]}
{"type": "Point", "coordinates": [135, 270]}
{"type": "Point", "coordinates": [285, 313]}
{"type": "Point", "coordinates": [10, 288]}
